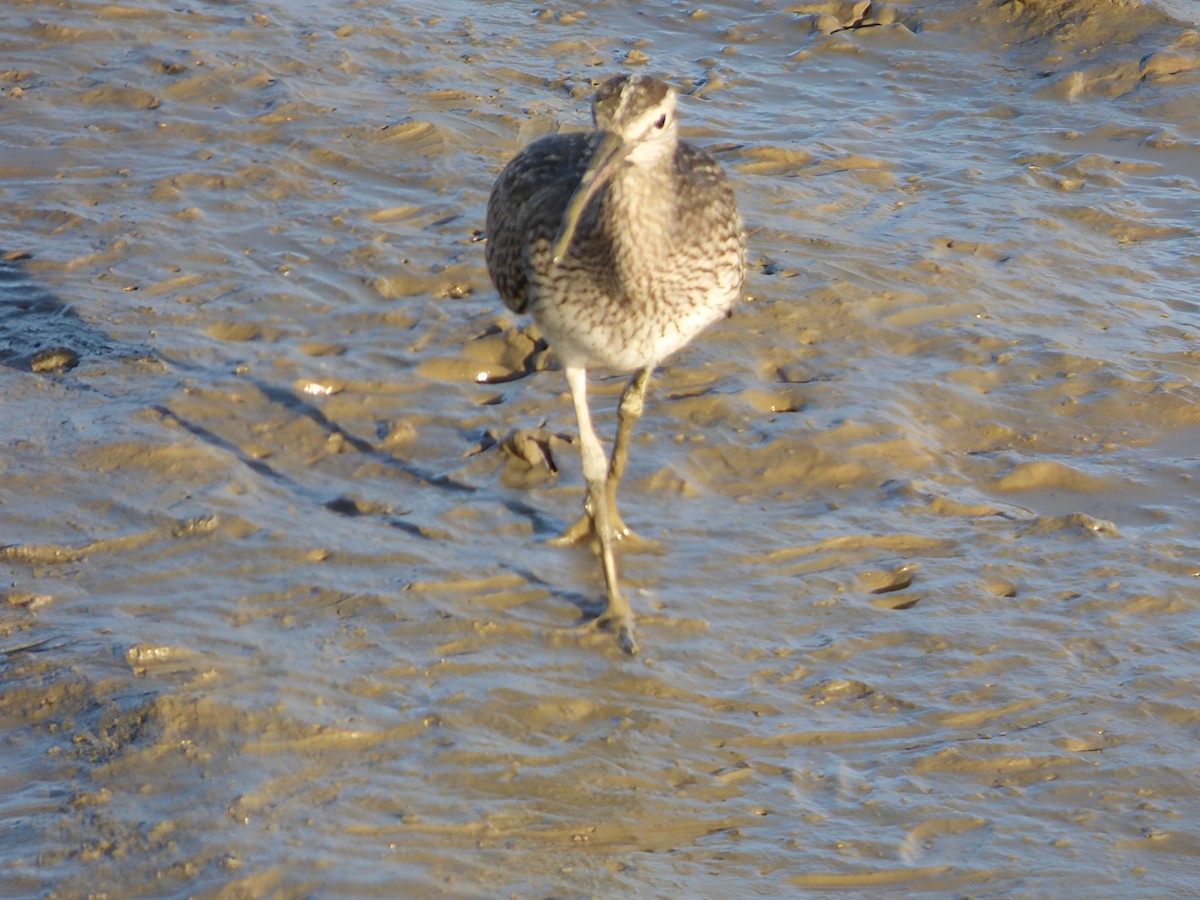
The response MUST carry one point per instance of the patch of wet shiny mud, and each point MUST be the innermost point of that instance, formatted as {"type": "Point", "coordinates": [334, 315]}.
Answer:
{"type": "Point", "coordinates": [278, 616]}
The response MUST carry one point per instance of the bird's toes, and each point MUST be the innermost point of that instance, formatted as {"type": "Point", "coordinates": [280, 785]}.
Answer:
{"type": "Point", "coordinates": [631, 542]}
{"type": "Point", "coordinates": [582, 532]}
{"type": "Point", "coordinates": [626, 638]}
{"type": "Point", "coordinates": [623, 626]}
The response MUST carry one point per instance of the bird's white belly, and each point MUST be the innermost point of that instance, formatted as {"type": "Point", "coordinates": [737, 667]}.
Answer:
{"type": "Point", "coordinates": [620, 337]}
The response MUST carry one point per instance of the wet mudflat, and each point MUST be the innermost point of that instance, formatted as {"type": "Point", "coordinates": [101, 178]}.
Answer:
{"type": "Point", "coordinates": [278, 616]}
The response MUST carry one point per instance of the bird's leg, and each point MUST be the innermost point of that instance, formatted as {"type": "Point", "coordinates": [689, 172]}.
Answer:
{"type": "Point", "coordinates": [628, 413]}
{"type": "Point", "coordinates": [584, 528]}
{"type": "Point", "coordinates": [595, 472]}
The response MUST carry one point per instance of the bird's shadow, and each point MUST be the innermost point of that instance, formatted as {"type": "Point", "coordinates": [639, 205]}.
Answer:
{"type": "Point", "coordinates": [589, 608]}
{"type": "Point", "coordinates": [43, 334]}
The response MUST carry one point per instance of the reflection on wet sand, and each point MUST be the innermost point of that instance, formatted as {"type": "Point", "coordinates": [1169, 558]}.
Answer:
{"type": "Point", "coordinates": [278, 612]}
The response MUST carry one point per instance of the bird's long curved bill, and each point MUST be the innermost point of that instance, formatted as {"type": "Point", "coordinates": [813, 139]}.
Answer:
{"type": "Point", "coordinates": [605, 161]}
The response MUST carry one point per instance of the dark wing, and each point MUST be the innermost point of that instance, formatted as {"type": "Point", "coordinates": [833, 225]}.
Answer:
{"type": "Point", "coordinates": [527, 204]}
{"type": "Point", "coordinates": [707, 202]}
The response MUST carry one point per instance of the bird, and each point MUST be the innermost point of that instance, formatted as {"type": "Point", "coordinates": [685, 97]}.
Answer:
{"type": "Point", "coordinates": [623, 243]}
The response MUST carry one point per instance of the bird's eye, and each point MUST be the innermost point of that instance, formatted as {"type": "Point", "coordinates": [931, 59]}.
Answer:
{"type": "Point", "coordinates": [662, 121]}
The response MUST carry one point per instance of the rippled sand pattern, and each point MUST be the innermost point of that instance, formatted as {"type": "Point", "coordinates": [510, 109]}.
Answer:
{"type": "Point", "coordinates": [278, 616]}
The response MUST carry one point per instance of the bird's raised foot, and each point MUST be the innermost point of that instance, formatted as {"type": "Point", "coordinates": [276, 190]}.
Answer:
{"type": "Point", "coordinates": [623, 625]}
{"type": "Point", "coordinates": [589, 632]}
{"type": "Point", "coordinates": [582, 532]}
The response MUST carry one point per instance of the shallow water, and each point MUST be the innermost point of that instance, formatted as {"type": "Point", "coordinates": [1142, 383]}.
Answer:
{"type": "Point", "coordinates": [278, 615]}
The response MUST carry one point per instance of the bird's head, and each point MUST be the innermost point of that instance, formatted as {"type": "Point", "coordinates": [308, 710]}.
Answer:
{"type": "Point", "coordinates": [636, 115]}
{"type": "Point", "coordinates": [641, 111]}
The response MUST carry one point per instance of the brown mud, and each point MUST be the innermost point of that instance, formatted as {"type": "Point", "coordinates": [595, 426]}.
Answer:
{"type": "Point", "coordinates": [278, 616]}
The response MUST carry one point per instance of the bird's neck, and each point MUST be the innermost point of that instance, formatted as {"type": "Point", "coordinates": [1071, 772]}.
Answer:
{"type": "Point", "coordinates": [642, 214]}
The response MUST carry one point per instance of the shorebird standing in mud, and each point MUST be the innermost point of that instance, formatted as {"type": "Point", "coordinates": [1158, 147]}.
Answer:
{"type": "Point", "coordinates": [623, 243]}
